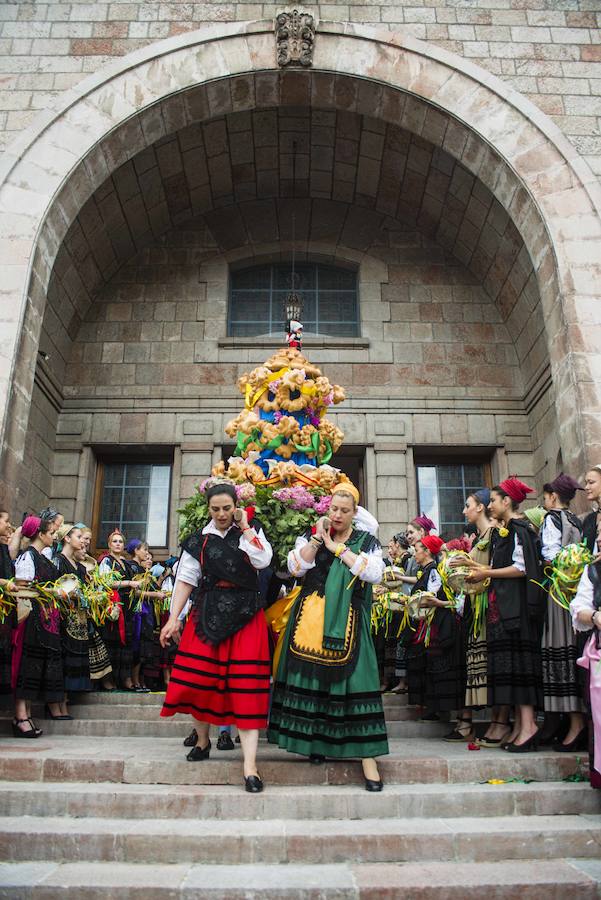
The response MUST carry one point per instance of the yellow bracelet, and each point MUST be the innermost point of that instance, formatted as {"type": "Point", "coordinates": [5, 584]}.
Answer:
{"type": "Point", "coordinates": [340, 549]}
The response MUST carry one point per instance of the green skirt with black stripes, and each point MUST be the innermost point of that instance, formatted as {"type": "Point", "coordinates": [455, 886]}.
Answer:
{"type": "Point", "coordinates": [313, 714]}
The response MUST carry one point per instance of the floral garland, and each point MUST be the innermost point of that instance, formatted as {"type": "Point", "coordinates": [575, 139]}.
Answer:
{"type": "Point", "coordinates": [283, 513]}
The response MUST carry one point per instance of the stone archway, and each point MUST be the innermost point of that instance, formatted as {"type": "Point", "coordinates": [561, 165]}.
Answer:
{"type": "Point", "coordinates": [533, 173]}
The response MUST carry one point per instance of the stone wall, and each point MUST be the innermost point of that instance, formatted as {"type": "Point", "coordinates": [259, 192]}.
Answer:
{"type": "Point", "coordinates": [549, 50]}
{"type": "Point", "coordinates": [152, 366]}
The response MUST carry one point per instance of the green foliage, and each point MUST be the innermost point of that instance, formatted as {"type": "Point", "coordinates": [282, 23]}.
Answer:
{"type": "Point", "coordinates": [282, 523]}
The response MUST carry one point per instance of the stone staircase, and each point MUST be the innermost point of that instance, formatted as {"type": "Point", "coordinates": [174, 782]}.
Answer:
{"type": "Point", "coordinates": [107, 806]}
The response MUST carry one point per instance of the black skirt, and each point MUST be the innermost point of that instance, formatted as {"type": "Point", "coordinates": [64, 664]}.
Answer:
{"type": "Point", "coordinates": [6, 653]}
{"type": "Point", "coordinates": [76, 653]}
{"type": "Point", "coordinates": [515, 675]}
{"type": "Point", "coordinates": [41, 670]}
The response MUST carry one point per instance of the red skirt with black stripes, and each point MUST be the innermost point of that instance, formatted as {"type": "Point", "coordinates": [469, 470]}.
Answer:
{"type": "Point", "coordinates": [227, 684]}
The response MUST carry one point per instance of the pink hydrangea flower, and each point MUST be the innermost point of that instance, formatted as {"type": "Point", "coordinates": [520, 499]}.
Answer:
{"type": "Point", "coordinates": [297, 497]}
{"type": "Point", "coordinates": [323, 505]}
{"type": "Point", "coordinates": [246, 492]}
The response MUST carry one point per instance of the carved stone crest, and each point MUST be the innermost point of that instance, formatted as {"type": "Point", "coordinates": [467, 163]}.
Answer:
{"type": "Point", "coordinates": [294, 36]}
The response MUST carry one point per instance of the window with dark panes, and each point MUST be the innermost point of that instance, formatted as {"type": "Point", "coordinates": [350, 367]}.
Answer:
{"type": "Point", "coordinates": [442, 489]}
{"type": "Point", "coordinates": [329, 295]}
{"type": "Point", "coordinates": [135, 498]}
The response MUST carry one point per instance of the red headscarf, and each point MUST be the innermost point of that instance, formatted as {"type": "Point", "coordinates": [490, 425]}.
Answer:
{"type": "Point", "coordinates": [432, 543]}
{"type": "Point", "coordinates": [31, 526]}
{"type": "Point", "coordinates": [516, 489]}
{"type": "Point", "coordinates": [425, 522]}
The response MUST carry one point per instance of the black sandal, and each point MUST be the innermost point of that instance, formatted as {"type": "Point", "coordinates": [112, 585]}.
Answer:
{"type": "Point", "coordinates": [457, 737]}
{"type": "Point", "coordinates": [489, 742]}
{"type": "Point", "coordinates": [30, 734]}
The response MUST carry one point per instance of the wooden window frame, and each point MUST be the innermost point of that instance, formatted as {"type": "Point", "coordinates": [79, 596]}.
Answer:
{"type": "Point", "coordinates": [453, 456]}
{"type": "Point", "coordinates": [128, 458]}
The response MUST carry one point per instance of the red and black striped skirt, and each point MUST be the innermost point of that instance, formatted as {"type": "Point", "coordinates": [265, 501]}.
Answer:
{"type": "Point", "coordinates": [227, 684]}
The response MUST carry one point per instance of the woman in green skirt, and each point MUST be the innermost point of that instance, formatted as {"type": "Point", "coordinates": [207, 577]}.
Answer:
{"type": "Point", "coordinates": [326, 695]}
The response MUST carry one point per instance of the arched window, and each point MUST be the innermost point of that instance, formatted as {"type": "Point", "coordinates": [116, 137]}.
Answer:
{"type": "Point", "coordinates": [329, 295]}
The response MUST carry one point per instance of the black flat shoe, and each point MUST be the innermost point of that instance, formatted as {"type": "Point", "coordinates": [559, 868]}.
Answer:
{"type": "Point", "coordinates": [374, 787]}
{"type": "Point", "coordinates": [580, 742]}
{"type": "Point", "coordinates": [50, 715]}
{"type": "Point", "coordinates": [141, 689]}
{"type": "Point", "coordinates": [192, 739]}
{"type": "Point", "coordinates": [316, 759]}
{"type": "Point", "coordinates": [31, 733]}
{"type": "Point", "coordinates": [430, 717]}
{"type": "Point", "coordinates": [527, 747]}
{"type": "Point", "coordinates": [225, 742]}
{"type": "Point", "coordinates": [197, 754]}
{"type": "Point", "coordinates": [253, 784]}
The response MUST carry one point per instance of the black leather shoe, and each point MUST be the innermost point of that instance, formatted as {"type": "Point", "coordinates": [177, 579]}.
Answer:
{"type": "Point", "coordinates": [528, 746]}
{"type": "Point", "coordinates": [316, 759]}
{"type": "Point", "coordinates": [580, 742]}
{"type": "Point", "coordinates": [197, 754]}
{"type": "Point", "coordinates": [224, 741]}
{"type": "Point", "coordinates": [253, 784]}
{"type": "Point", "coordinates": [374, 787]}
{"type": "Point", "coordinates": [192, 739]}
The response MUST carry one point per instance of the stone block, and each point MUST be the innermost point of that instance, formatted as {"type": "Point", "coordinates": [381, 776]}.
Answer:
{"type": "Point", "coordinates": [197, 426]}
{"type": "Point", "coordinates": [454, 428]}
{"type": "Point", "coordinates": [113, 352]}
{"type": "Point", "coordinates": [391, 487]}
{"type": "Point", "coordinates": [427, 429]}
{"type": "Point", "coordinates": [65, 463]}
{"type": "Point", "coordinates": [105, 427]}
{"type": "Point", "coordinates": [132, 429]}
{"type": "Point", "coordinates": [160, 428]}
{"type": "Point", "coordinates": [391, 464]}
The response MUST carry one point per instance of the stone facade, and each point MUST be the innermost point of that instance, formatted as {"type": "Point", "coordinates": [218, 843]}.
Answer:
{"type": "Point", "coordinates": [473, 225]}
{"type": "Point", "coordinates": [549, 50]}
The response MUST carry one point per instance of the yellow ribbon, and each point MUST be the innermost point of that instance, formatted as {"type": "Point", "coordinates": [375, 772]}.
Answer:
{"type": "Point", "coordinates": [250, 399]}
{"type": "Point", "coordinates": [277, 617]}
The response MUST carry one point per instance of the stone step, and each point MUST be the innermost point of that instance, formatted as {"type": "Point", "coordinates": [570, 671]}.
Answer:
{"type": "Point", "coordinates": [162, 761]}
{"type": "Point", "coordinates": [156, 698]}
{"type": "Point", "coordinates": [151, 712]}
{"type": "Point", "coordinates": [526, 879]}
{"type": "Point", "coordinates": [134, 801]}
{"type": "Point", "coordinates": [179, 727]}
{"type": "Point", "coordinates": [233, 841]}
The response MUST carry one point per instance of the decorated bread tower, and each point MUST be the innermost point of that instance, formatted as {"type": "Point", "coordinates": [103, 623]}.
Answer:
{"type": "Point", "coordinates": [284, 446]}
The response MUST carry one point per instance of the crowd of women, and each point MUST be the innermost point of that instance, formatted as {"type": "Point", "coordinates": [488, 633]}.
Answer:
{"type": "Point", "coordinates": [508, 646]}
{"type": "Point", "coordinates": [50, 651]}
{"type": "Point", "coordinates": [311, 669]}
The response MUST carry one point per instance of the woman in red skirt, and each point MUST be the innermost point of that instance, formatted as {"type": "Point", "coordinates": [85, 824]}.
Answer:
{"type": "Point", "coordinates": [222, 669]}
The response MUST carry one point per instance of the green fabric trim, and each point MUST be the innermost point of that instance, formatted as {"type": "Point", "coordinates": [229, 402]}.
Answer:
{"type": "Point", "coordinates": [338, 598]}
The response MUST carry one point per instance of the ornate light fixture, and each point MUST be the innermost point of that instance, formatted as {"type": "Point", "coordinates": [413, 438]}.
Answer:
{"type": "Point", "coordinates": [293, 302]}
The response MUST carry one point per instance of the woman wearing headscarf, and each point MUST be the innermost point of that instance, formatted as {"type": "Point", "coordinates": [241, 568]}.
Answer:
{"type": "Point", "coordinates": [591, 524]}
{"type": "Point", "coordinates": [37, 661]}
{"type": "Point", "coordinates": [326, 697]}
{"type": "Point", "coordinates": [221, 671]}
{"type": "Point", "coordinates": [585, 610]}
{"type": "Point", "coordinates": [118, 635]}
{"type": "Point", "coordinates": [9, 625]}
{"type": "Point", "coordinates": [516, 609]}
{"type": "Point", "coordinates": [391, 667]}
{"type": "Point", "coordinates": [427, 579]}
{"type": "Point", "coordinates": [474, 628]}
{"type": "Point", "coordinates": [560, 645]}
{"type": "Point", "coordinates": [138, 565]}
{"type": "Point", "coordinates": [76, 655]}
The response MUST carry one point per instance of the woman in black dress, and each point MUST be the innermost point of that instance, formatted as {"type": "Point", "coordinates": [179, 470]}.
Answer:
{"type": "Point", "coordinates": [118, 635]}
{"type": "Point", "coordinates": [40, 667]}
{"type": "Point", "coordinates": [515, 615]}
{"type": "Point", "coordinates": [76, 654]}
{"type": "Point", "coordinates": [7, 571]}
